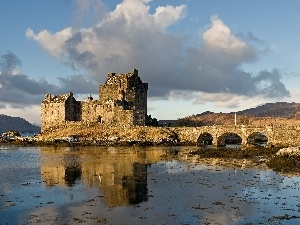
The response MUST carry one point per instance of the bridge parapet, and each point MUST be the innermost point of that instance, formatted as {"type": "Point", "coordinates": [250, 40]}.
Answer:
{"type": "Point", "coordinates": [277, 135]}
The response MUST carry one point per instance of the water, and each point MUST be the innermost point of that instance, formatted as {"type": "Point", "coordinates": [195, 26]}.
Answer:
{"type": "Point", "coordinates": [135, 185]}
{"type": "Point", "coordinates": [28, 133]}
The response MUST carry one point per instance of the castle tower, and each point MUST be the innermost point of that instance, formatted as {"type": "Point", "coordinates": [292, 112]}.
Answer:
{"type": "Point", "coordinates": [126, 91]}
{"type": "Point", "coordinates": [57, 109]}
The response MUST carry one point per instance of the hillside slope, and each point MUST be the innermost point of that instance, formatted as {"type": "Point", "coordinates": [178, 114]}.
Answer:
{"type": "Point", "coordinates": [278, 109]}
{"type": "Point", "coordinates": [271, 113]}
{"type": "Point", "coordinates": [17, 124]}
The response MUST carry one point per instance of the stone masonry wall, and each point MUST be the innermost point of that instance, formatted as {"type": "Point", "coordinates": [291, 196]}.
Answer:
{"type": "Point", "coordinates": [277, 135]}
{"type": "Point", "coordinates": [122, 100]}
{"type": "Point", "coordinates": [126, 90]}
{"type": "Point", "coordinates": [55, 110]}
{"type": "Point", "coordinates": [52, 115]}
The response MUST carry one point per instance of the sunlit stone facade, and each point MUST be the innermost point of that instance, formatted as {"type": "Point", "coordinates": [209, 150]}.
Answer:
{"type": "Point", "coordinates": [122, 100]}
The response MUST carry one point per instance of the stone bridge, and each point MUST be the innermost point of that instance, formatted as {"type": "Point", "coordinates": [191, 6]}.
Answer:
{"type": "Point", "coordinates": [275, 135]}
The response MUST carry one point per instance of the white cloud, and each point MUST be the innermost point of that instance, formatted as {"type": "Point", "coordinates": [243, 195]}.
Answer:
{"type": "Point", "coordinates": [223, 100]}
{"type": "Point", "coordinates": [294, 97]}
{"type": "Point", "coordinates": [131, 37]}
{"type": "Point", "coordinates": [88, 12]}
{"type": "Point", "coordinates": [125, 38]}
{"type": "Point", "coordinates": [239, 102]}
{"type": "Point", "coordinates": [166, 16]}
{"type": "Point", "coordinates": [219, 36]}
{"type": "Point", "coordinates": [52, 43]}
{"type": "Point", "coordinates": [222, 46]}
{"type": "Point", "coordinates": [18, 90]}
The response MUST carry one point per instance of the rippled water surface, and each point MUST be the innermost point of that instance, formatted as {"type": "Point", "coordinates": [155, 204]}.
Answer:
{"type": "Point", "coordinates": [135, 185]}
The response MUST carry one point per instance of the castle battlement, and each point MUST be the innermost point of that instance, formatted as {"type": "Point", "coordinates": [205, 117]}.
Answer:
{"type": "Point", "coordinates": [122, 101]}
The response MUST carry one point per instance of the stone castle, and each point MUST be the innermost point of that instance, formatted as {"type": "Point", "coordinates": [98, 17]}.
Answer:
{"type": "Point", "coordinates": [122, 101]}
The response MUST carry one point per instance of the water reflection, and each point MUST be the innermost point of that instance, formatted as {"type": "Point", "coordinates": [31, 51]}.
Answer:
{"type": "Point", "coordinates": [136, 185]}
{"type": "Point", "coordinates": [60, 169]}
{"type": "Point", "coordinates": [119, 173]}
{"type": "Point", "coordinates": [72, 167]}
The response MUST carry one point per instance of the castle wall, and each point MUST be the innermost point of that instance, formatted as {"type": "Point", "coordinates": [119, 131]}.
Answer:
{"type": "Point", "coordinates": [139, 117]}
{"type": "Point", "coordinates": [124, 116]}
{"type": "Point", "coordinates": [53, 114]}
{"type": "Point", "coordinates": [57, 109]}
{"type": "Point", "coordinates": [91, 111]}
{"type": "Point", "coordinates": [122, 101]}
{"type": "Point", "coordinates": [127, 89]}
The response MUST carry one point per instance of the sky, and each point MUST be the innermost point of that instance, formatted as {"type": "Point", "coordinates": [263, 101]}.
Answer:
{"type": "Point", "coordinates": [196, 55]}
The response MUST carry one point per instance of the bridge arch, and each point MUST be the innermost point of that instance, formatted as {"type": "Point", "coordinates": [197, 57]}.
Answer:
{"type": "Point", "coordinates": [205, 139]}
{"type": "Point", "coordinates": [257, 139]}
{"type": "Point", "coordinates": [277, 135]}
{"type": "Point", "coordinates": [229, 138]}
{"type": "Point", "coordinates": [175, 137]}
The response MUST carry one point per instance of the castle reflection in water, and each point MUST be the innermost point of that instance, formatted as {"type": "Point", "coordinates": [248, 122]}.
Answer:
{"type": "Point", "coordinates": [119, 172]}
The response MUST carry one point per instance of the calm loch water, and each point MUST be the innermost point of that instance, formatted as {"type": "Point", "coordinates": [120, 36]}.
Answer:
{"type": "Point", "coordinates": [136, 185]}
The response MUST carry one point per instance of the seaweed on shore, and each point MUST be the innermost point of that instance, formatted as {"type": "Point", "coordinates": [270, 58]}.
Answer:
{"type": "Point", "coordinates": [284, 163]}
{"type": "Point", "coordinates": [237, 153]}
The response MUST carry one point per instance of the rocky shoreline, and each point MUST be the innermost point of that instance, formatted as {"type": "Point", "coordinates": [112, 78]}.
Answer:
{"type": "Point", "coordinates": [100, 135]}
{"type": "Point", "coordinates": [97, 136]}
{"type": "Point", "coordinates": [279, 159]}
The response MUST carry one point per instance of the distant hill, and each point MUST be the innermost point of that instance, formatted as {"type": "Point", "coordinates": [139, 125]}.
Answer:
{"type": "Point", "coordinates": [270, 113]}
{"type": "Point", "coordinates": [278, 109]}
{"type": "Point", "coordinates": [167, 123]}
{"type": "Point", "coordinates": [17, 124]}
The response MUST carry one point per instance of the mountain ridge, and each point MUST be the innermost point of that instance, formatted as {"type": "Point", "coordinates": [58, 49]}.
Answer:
{"type": "Point", "coordinates": [280, 113]}
{"type": "Point", "coordinates": [278, 109]}
{"type": "Point", "coordinates": [9, 123]}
